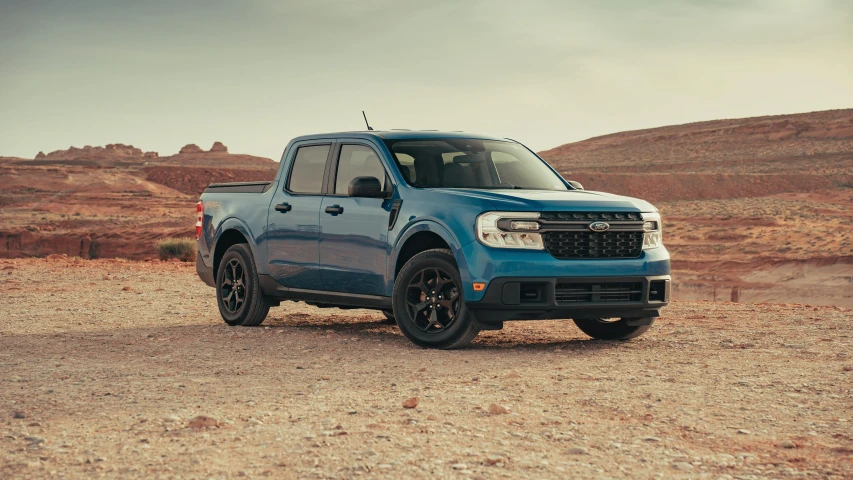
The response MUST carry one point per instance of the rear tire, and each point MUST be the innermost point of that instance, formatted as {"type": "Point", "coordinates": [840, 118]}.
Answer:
{"type": "Point", "coordinates": [429, 303]}
{"type": "Point", "coordinates": [238, 291]}
{"type": "Point", "coordinates": [601, 329]}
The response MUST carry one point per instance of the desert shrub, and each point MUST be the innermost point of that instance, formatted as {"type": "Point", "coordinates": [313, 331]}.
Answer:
{"type": "Point", "coordinates": [181, 248]}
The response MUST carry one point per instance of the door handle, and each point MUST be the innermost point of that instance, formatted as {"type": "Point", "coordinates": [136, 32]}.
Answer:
{"type": "Point", "coordinates": [335, 209]}
{"type": "Point", "coordinates": [283, 208]}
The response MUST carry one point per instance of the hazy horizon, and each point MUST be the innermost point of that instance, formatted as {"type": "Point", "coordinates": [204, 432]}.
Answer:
{"type": "Point", "coordinates": [254, 74]}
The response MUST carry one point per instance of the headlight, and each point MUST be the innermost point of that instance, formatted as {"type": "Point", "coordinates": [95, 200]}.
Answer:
{"type": "Point", "coordinates": [494, 229]}
{"type": "Point", "coordinates": [653, 236]}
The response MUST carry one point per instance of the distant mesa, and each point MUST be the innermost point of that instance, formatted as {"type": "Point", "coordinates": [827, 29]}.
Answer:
{"type": "Point", "coordinates": [219, 148]}
{"type": "Point", "coordinates": [191, 155]}
{"type": "Point", "coordinates": [113, 151]}
{"type": "Point", "coordinates": [190, 149]}
{"type": "Point", "coordinates": [121, 155]}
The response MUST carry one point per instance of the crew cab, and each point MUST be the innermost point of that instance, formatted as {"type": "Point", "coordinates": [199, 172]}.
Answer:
{"type": "Point", "coordinates": [446, 233]}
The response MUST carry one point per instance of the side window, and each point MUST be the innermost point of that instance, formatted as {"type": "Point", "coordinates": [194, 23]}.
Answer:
{"type": "Point", "coordinates": [306, 174]}
{"type": "Point", "coordinates": [357, 161]}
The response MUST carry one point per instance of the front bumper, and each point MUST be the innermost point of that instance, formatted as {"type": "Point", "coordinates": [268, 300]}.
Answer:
{"type": "Point", "coordinates": [540, 298]}
{"type": "Point", "coordinates": [480, 263]}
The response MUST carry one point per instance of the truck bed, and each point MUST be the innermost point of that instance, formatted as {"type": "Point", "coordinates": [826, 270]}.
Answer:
{"type": "Point", "coordinates": [238, 187]}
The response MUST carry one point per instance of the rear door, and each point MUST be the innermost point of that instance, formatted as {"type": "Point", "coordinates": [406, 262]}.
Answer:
{"type": "Point", "coordinates": [354, 231]}
{"type": "Point", "coordinates": [293, 228]}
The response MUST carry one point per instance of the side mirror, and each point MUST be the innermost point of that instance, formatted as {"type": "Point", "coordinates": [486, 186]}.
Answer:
{"type": "Point", "coordinates": [369, 187]}
{"type": "Point", "coordinates": [575, 184]}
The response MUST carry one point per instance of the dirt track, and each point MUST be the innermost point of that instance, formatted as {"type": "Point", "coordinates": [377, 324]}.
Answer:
{"type": "Point", "coordinates": [103, 364]}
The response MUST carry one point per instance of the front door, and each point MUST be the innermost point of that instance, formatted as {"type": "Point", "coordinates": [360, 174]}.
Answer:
{"type": "Point", "coordinates": [293, 223]}
{"type": "Point", "coordinates": [354, 231]}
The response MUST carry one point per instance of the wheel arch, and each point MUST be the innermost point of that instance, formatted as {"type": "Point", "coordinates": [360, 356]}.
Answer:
{"type": "Point", "coordinates": [231, 233]}
{"type": "Point", "coordinates": [423, 236]}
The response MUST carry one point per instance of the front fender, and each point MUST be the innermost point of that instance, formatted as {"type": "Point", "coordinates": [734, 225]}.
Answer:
{"type": "Point", "coordinates": [434, 227]}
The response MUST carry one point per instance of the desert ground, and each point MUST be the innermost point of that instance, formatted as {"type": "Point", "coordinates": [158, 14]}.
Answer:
{"type": "Point", "coordinates": [117, 369]}
{"type": "Point", "coordinates": [116, 365]}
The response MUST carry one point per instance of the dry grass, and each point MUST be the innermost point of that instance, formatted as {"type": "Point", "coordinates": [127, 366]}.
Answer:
{"type": "Point", "coordinates": [181, 248]}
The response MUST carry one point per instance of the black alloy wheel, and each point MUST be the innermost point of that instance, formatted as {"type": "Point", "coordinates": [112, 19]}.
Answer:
{"type": "Point", "coordinates": [238, 290]}
{"type": "Point", "coordinates": [432, 300]}
{"type": "Point", "coordinates": [429, 302]}
{"type": "Point", "coordinates": [233, 287]}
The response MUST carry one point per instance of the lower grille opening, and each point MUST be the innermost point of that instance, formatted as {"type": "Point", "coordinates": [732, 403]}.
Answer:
{"type": "Point", "coordinates": [532, 293]}
{"type": "Point", "coordinates": [598, 292]}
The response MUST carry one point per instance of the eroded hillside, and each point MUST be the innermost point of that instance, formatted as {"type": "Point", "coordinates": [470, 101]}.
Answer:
{"type": "Point", "coordinates": [755, 209]}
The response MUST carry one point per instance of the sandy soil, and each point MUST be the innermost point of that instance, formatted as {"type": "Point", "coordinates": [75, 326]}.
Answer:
{"type": "Point", "coordinates": [104, 365]}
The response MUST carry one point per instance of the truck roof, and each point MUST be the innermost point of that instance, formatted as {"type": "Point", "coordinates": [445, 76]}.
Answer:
{"type": "Point", "coordinates": [399, 135]}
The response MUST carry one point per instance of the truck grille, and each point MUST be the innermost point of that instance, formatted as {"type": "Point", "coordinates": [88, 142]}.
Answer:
{"type": "Point", "coordinates": [592, 216]}
{"type": "Point", "coordinates": [567, 245]}
{"type": "Point", "coordinates": [598, 292]}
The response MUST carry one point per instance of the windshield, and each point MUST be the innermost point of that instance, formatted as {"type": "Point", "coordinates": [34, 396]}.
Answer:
{"type": "Point", "coordinates": [466, 163]}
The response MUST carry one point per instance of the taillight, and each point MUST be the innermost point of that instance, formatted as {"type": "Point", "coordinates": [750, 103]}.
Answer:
{"type": "Point", "coordinates": [199, 215]}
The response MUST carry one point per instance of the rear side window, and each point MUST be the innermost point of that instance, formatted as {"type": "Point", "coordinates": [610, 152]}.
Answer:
{"type": "Point", "coordinates": [306, 174]}
{"type": "Point", "coordinates": [357, 161]}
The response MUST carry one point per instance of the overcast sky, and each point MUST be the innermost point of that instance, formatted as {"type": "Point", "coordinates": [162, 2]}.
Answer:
{"type": "Point", "coordinates": [163, 73]}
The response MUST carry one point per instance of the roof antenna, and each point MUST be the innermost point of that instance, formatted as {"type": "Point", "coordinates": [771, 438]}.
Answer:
{"type": "Point", "coordinates": [365, 120]}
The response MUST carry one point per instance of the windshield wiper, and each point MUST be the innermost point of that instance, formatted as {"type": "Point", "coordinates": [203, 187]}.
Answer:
{"type": "Point", "coordinates": [494, 187]}
{"type": "Point", "coordinates": [506, 186]}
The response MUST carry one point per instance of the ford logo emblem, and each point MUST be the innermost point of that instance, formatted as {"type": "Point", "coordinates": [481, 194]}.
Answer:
{"type": "Point", "coordinates": [599, 226]}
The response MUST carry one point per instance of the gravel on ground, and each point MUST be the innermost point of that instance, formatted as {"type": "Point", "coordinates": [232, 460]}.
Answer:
{"type": "Point", "coordinates": [124, 369]}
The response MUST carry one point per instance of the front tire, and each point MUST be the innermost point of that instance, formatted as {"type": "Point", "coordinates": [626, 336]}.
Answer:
{"type": "Point", "coordinates": [603, 329]}
{"type": "Point", "coordinates": [238, 291]}
{"type": "Point", "coordinates": [429, 303]}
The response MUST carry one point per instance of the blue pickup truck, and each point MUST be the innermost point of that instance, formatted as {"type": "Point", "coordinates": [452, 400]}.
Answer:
{"type": "Point", "coordinates": [447, 233]}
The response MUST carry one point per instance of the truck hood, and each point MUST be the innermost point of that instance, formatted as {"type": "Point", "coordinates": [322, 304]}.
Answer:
{"type": "Point", "coordinates": [549, 200]}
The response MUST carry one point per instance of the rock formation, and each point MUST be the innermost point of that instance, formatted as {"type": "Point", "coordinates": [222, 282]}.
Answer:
{"type": "Point", "coordinates": [218, 147]}
{"type": "Point", "coordinates": [112, 151]}
{"type": "Point", "coordinates": [191, 148]}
